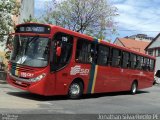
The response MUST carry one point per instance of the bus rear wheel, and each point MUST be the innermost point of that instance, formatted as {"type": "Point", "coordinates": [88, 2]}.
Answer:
{"type": "Point", "coordinates": [75, 90]}
{"type": "Point", "coordinates": [134, 88]}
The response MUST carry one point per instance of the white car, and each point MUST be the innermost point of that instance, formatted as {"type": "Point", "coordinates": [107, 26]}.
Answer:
{"type": "Point", "coordinates": [157, 77]}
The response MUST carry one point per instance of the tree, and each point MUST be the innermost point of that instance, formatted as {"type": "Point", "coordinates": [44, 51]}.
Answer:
{"type": "Point", "coordinates": [7, 9]}
{"type": "Point", "coordinates": [93, 17]}
{"type": "Point", "coordinates": [30, 19]}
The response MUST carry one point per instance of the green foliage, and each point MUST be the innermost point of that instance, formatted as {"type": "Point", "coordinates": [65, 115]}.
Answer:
{"type": "Point", "coordinates": [30, 19]}
{"type": "Point", "coordinates": [93, 17]}
{"type": "Point", "coordinates": [7, 55]}
{"type": "Point", "coordinates": [7, 9]}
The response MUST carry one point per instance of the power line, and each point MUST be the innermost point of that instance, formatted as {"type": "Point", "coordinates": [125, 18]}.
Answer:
{"type": "Point", "coordinates": [136, 30]}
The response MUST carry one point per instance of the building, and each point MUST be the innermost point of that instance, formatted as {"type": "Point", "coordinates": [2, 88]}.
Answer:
{"type": "Point", "coordinates": [142, 37]}
{"type": "Point", "coordinates": [153, 49]}
{"type": "Point", "coordinates": [26, 10]}
{"type": "Point", "coordinates": [136, 45]}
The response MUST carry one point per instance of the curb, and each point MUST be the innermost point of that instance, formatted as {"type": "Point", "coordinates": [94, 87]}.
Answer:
{"type": "Point", "coordinates": [3, 82]}
{"type": "Point", "coordinates": [156, 84]}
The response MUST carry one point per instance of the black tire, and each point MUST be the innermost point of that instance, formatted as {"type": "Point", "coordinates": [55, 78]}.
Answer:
{"type": "Point", "coordinates": [134, 88]}
{"type": "Point", "coordinates": [75, 90]}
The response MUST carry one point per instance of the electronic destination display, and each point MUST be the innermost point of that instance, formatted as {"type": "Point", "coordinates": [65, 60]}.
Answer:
{"type": "Point", "coordinates": [33, 28]}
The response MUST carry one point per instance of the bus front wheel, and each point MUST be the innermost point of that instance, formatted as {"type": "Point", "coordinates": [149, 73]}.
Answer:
{"type": "Point", "coordinates": [134, 88]}
{"type": "Point", "coordinates": [75, 90]}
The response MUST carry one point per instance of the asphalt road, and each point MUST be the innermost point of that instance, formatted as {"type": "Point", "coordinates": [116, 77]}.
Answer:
{"type": "Point", "coordinates": [15, 101]}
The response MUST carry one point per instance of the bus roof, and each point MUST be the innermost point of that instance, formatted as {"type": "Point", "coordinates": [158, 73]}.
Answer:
{"type": "Point", "coordinates": [83, 36]}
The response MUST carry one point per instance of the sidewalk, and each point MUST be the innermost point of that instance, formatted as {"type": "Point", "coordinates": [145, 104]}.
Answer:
{"type": "Point", "coordinates": [157, 84]}
{"type": "Point", "coordinates": [3, 82]}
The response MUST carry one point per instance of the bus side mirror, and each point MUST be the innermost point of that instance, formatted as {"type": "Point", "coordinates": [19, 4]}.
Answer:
{"type": "Point", "coordinates": [58, 51]}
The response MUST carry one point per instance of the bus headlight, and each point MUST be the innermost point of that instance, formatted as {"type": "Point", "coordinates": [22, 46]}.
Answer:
{"type": "Point", "coordinates": [38, 78]}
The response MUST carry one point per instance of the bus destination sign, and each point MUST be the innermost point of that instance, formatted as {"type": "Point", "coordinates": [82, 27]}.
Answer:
{"type": "Point", "coordinates": [30, 28]}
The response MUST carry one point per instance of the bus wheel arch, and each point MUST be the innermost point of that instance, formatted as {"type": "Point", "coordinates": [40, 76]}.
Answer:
{"type": "Point", "coordinates": [134, 87]}
{"type": "Point", "coordinates": [76, 88]}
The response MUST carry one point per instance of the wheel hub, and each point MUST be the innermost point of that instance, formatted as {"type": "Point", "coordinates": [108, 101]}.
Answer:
{"type": "Point", "coordinates": [75, 89]}
{"type": "Point", "coordinates": [134, 88]}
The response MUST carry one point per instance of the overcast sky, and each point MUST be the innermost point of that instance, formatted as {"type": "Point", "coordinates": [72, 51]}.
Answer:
{"type": "Point", "coordinates": [135, 16]}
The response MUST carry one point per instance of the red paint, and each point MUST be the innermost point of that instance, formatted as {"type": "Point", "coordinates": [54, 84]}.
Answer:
{"type": "Point", "coordinates": [108, 79]}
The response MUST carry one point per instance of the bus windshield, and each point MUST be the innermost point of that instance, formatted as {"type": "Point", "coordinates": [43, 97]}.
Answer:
{"type": "Point", "coordinates": [30, 50]}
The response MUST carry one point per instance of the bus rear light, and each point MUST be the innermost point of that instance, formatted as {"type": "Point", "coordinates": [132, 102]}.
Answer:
{"type": "Point", "coordinates": [38, 78]}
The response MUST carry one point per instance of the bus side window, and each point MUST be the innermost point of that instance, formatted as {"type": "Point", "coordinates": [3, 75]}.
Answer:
{"type": "Point", "coordinates": [85, 51]}
{"type": "Point", "coordinates": [116, 57]}
{"type": "Point", "coordinates": [146, 66]}
{"type": "Point", "coordinates": [125, 60]}
{"type": "Point", "coordinates": [142, 63]}
{"type": "Point", "coordinates": [139, 62]}
{"type": "Point", "coordinates": [103, 55]}
{"type": "Point", "coordinates": [133, 60]}
{"type": "Point", "coordinates": [152, 62]}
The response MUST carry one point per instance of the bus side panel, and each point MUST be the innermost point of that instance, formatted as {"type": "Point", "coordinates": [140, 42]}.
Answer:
{"type": "Point", "coordinates": [101, 79]}
{"type": "Point", "coordinates": [146, 80]}
{"type": "Point", "coordinates": [64, 78]}
{"type": "Point", "coordinates": [50, 85]}
{"type": "Point", "coordinates": [119, 78]}
{"type": "Point", "coordinates": [109, 79]}
{"type": "Point", "coordinates": [125, 81]}
{"type": "Point", "coordinates": [131, 75]}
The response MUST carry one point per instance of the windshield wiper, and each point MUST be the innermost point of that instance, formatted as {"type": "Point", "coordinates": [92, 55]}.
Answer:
{"type": "Point", "coordinates": [34, 38]}
{"type": "Point", "coordinates": [29, 41]}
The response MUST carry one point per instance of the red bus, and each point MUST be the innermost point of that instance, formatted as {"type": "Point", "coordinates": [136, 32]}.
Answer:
{"type": "Point", "coordinates": [50, 60]}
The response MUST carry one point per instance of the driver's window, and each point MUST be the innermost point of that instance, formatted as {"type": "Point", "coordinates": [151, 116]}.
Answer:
{"type": "Point", "coordinates": [62, 50]}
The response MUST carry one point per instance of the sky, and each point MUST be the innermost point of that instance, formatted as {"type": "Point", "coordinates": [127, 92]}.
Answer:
{"type": "Point", "coordinates": [135, 16]}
